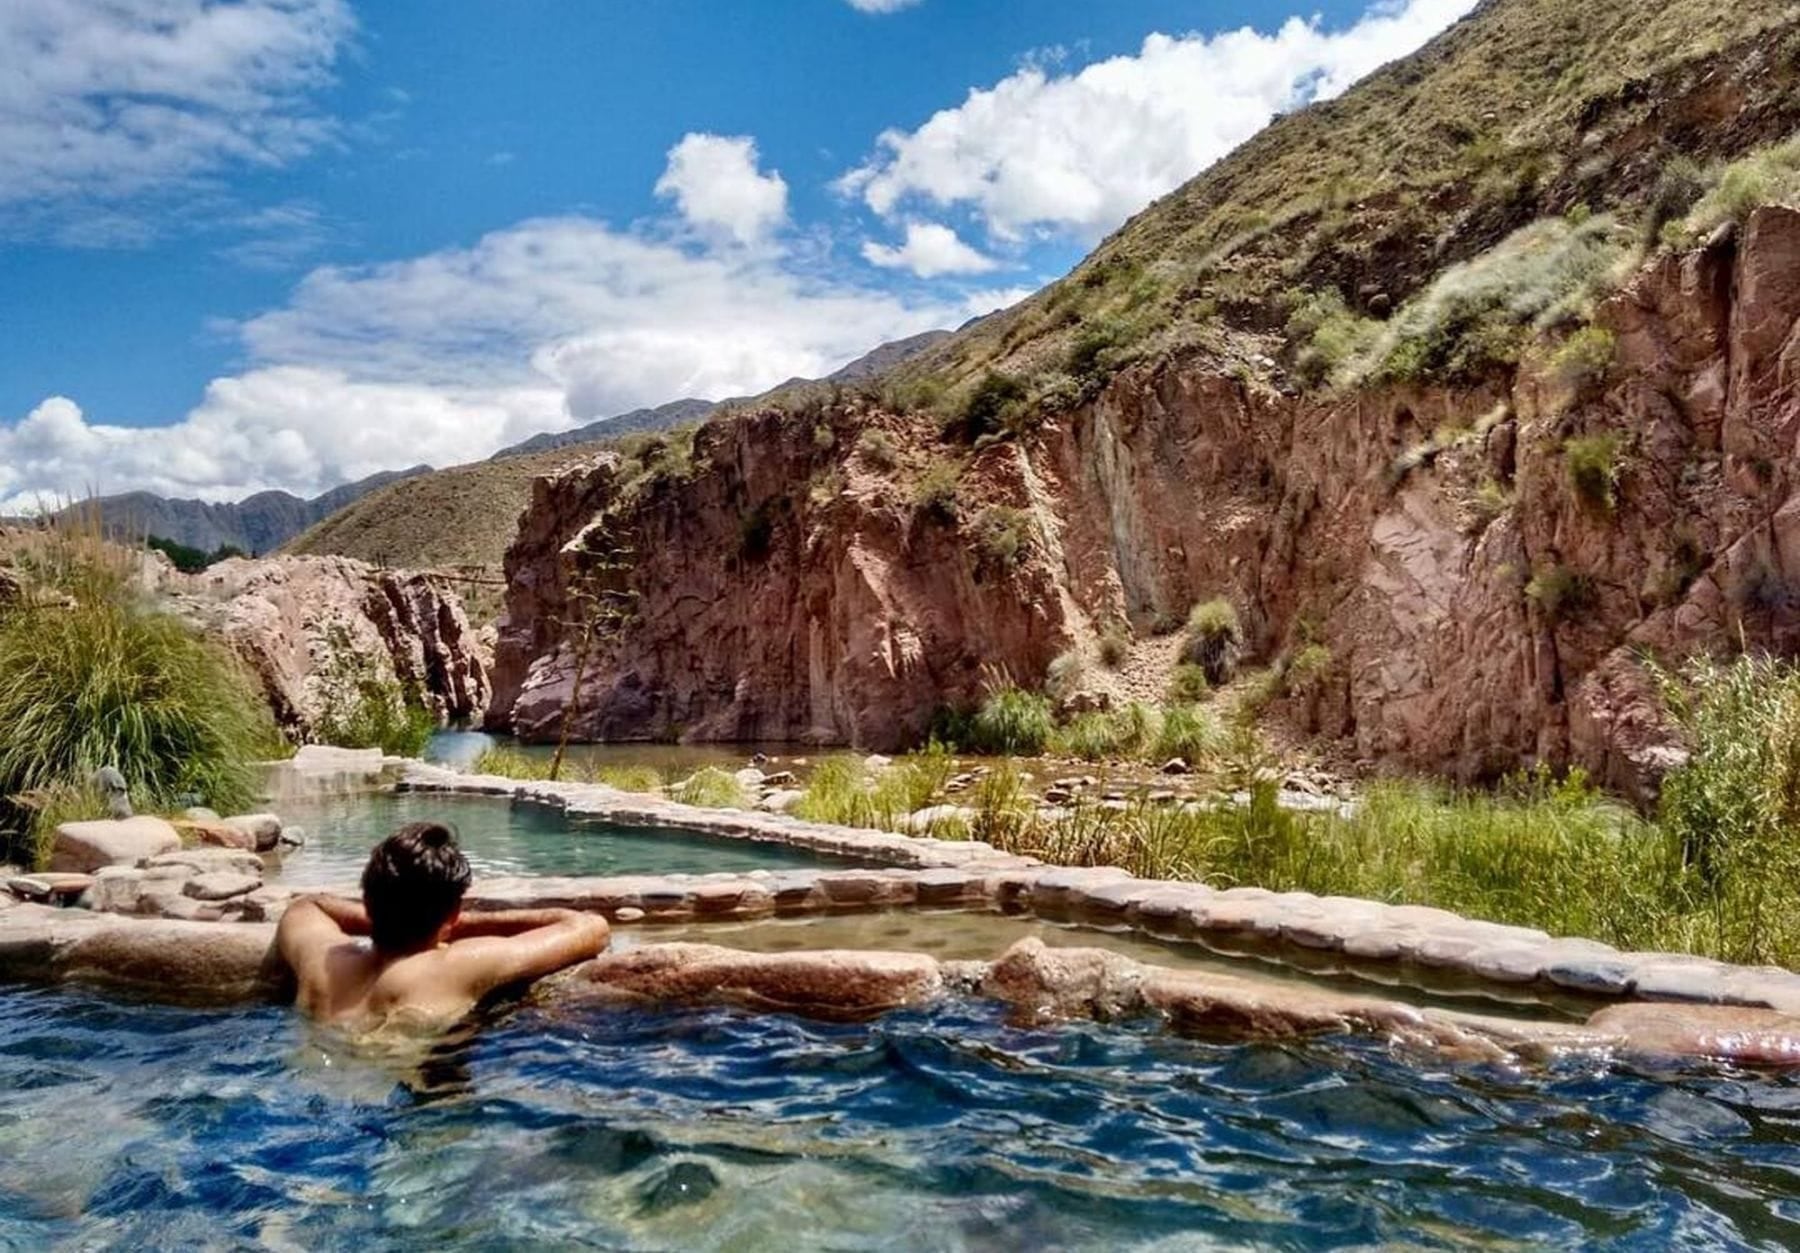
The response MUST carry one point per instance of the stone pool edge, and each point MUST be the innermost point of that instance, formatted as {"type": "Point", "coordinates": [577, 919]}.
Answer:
{"type": "Point", "coordinates": [952, 874]}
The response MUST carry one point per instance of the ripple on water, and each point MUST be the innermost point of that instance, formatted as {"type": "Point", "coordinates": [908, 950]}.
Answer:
{"type": "Point", "coordinates": [157, 1127]}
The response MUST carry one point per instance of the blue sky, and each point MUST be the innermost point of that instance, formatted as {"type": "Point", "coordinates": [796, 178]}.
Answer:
{"type": "Point", "coordinates": [289, 242]}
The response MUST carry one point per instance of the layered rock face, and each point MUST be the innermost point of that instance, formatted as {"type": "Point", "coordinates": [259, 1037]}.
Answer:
{"type": "Point", "coordinates": [303, 623]}
{"type": "Point", "coordinates": [1482, 607]}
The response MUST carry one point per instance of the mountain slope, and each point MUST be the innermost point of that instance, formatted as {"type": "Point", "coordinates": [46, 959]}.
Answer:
{"type": "Point", "coordinates": [1524, 109]}
{"type": "Point", "coordinates": [256, 524]}
{"type": "Point", "coordinates": [466, 515]}
{"type": "Point", "coordinates": [1465, 390]}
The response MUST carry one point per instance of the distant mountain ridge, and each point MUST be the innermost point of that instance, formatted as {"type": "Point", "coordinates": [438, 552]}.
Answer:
{"type": "Point", "coordinates": [256, 524]}
{"type": "Point", "coordinates": [661, 418]}
{"type": "Point", "coordinates": [681, 412]}
{"type": "Point", "coordinates": [467, 515]}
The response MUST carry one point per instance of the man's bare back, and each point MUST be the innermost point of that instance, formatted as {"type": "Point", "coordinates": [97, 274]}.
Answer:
{"type": "Point", "coordinates": [436, 963]}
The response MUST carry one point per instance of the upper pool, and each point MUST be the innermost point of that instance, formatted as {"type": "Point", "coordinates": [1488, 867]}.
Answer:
{"type": "Point", "coordinates": [501, 837]}
{"type": "Point", "coordinates": [135, 1126]}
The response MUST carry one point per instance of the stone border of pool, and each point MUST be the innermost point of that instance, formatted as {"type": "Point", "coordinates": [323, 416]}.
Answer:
{"type": "Point", "coordinates": [194, 945]}
{"type": "Point", "coordinates": [949, 874]}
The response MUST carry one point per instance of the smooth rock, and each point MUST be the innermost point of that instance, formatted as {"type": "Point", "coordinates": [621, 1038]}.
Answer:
{"type": "Point", "coordinates": [263, 830]}
{"type": "Point", "coordinates": [684, 1183]}
{"type": "Point", "coordinates": [200, 813]}
{"type": "Point", "coordinates": [1757, 1037]}
{"type": "Point", "coordinates": [49, 887]}
{"type": "Point", "coordinates": [781, 801]}
{"type": "Point", "coordinates": [84, 847]}
{"type": "Point", "coordinates": [220, 885]}
{"type": "Point", "coordinates": [925, 821]}
{"type": "Point", "coordinates": [202, 860]}
{"type": "Point", "coordinates": [831, 983]}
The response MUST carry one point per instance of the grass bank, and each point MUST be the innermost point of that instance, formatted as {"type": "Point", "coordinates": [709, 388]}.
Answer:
{"type": "Point", "coordinates": [1716, 871]}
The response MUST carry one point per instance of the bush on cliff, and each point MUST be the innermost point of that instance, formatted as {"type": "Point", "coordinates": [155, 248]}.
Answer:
{"type": "Point", "coordinates": [92, 678]}
{"type": "Point", "coordinates": [1768, 176]}
{"type": "Point", "coordinates": [362, 707]}
{"type": "Point", "coordinates": [1214, 640]}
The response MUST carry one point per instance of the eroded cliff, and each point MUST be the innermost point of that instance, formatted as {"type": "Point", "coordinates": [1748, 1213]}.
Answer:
{"type": "Point", "coordinates": [1481, 604]}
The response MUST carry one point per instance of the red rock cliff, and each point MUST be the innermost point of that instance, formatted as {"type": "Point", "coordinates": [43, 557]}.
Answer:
{"type": "Point", "coordinates": [1479, 611]}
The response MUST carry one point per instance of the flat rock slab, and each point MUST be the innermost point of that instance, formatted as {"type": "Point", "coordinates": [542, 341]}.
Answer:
{"type": "Point", "coordinates": [49, 887]}
{"type": "Point", "coordinates": [828, 983]}
{"type": "Point", "coordinates": [84, 847]}
{"type": "Point", "coordinates": [220, 885]}
{"type": "Point", "coordinates": [205, 860]}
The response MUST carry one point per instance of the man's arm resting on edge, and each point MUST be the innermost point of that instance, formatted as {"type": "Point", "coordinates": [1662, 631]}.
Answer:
{"type": "Point", "coordinates": [495, 948]}
{"type": "Point", "coordinates": [312, 923]}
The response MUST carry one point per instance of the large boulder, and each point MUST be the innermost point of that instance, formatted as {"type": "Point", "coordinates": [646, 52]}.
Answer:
{"type": "Point", "coordinates": [84, 847]}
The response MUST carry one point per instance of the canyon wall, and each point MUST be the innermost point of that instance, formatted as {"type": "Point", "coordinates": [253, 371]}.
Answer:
{"type": "Point", "coordinates": [311, 626]}
{"type": "Point", "coordinates": [1480, 608]}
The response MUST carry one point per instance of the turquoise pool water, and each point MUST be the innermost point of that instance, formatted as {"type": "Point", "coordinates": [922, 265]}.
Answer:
{"type": "Point", "coordinates": [150, 1127]}
{"type": "Point", "coordinates": [503, 838]}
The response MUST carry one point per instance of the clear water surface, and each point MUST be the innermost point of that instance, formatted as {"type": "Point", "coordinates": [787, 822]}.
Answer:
{"type": "Point", "coordinates": [123, 1125]}
{"type": "Point", "coordinates": [503, 838]}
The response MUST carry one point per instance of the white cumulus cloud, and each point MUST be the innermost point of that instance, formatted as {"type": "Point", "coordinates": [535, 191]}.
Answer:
{"type": "Point", "coordinates": [929, 251]}
{"type": "Point", "coordinates": [1081, 152]}
{"type": "Point", "coordinates": [880, 6]}
{"type": "Point", "coordinates": [104, 101]}
{"type": "Point", "coordinates": [716, 185]}
{"type": "Point", "coordinates": [446, 357]}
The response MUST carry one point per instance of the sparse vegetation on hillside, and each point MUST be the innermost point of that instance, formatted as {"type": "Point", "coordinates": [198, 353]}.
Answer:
{"type": "Point", "coordinates": [1519, 114]}
{"type": "Point", "coordinates": [1769, 175]}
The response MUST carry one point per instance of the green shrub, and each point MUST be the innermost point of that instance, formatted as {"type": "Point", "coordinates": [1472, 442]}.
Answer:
{"type": "Point", "coordinates": [1678, 186]}
{"type": "Point", "coordinates": [1326, 338]}
{"type": "Point", "coordinates": [106, 682]}
{"type": "Point", "coordinates": [1480, 314]}
{"type": "Point", "coordinates": [1003, 535]}
{"type": "Point", "coordinates": [1188, 685]}
{"type": "Point", "coordinates": [644, 779]}
{"type": "Point", "coordinates": [1189, 732]}
{"type": "Point", "coordinates": [1090, 736]}
{"type": "Point", "coordinates": [1593, 465]}
{"type": "Point", "coordinates": [824, 438]}
{"type": "Point", "coordinates": [877, 448]}
{"type": "Point", "coordinates": [935, 494]}
{"type": "Point", "coordinates": [983, 413]}
{"type": "Point", "coordinates": [1561, 593]}
{"type": "Point", "coordinates": [1583, 359]}
{"type": "Point", "coordinates": [510, 763]}
{"type": "Point", "coordinates": [826, 486]}
{"type": "Point", "coordinates": [1488, 502]}
{"type": "Point", "coordinates": [1308, 669]}
{"type": "Point", "coordinates": [363, 706]}
{"type": "Point", "coordinates": [1214, 640]}
{"type": "Point", "coordinates": [1090, 354]}
{"type": "Point", "coordinates": [711, 788]}
{"type": "Point", "coordinates": [1012, 721]}
{"type": "Point", "coordinates": [1768, 176]}
{"type": "Point", "coordinates": [1115, 647]}
{"type": "Point", "coordinates": [1732, 810]}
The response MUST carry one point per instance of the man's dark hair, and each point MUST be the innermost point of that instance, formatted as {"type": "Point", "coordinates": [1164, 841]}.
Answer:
{"type": "Point", "coordinates": [413, 883]}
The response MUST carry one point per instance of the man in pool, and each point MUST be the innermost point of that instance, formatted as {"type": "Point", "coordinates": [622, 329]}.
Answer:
{"type": "Point", "coordinates": [407, 953]}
